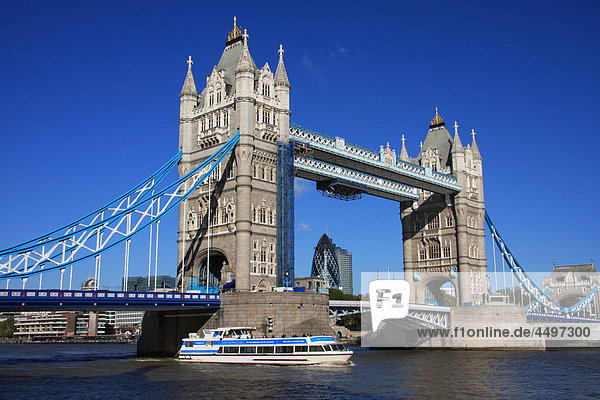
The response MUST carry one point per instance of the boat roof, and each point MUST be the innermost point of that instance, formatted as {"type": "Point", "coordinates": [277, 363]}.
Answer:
{"type": "Point", "coordinates": [235, 328]}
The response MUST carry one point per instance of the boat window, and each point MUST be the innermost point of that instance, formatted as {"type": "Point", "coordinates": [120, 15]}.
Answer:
{"type": "Point", "coordinates": [328, 347]}
{"type": "Point", "coordinates": [248, 349]}
{"type": "Point", "coordinates": [285, 349]}
{"type": "Point", "coordinates": [189, 343]}
{"type": "Point", "coordinates": [316, 348]}
{"type": "Point", "coordinates": [220, 351]}
{"type": "Point", "coordinates": [232, 349]}
{"type": "Point", "coordinates": [338, 347]}
{"type": "Point", "coordinates": [301, 349]}
{"type": "Point", "coordinates": [266, 350]}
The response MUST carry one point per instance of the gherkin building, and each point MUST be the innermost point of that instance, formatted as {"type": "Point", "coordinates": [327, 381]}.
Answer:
{"type": "Point", "coordinates": [325, 262]}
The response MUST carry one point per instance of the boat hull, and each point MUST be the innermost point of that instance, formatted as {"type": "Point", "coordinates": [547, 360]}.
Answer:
{"type": "Point", "coordinates": [280, 359]}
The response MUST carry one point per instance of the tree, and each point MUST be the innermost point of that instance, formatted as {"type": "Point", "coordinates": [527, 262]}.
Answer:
{"type": "Point", "coordinates": [351, 322]}
{"type": "Point", "coordinates": [335, 294]}
{"type": "Point", "coordinates": [7, 327]}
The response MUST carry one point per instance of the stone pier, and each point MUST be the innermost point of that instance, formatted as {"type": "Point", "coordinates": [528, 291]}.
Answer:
{"type": "Point", "coordinates": [272, 313]}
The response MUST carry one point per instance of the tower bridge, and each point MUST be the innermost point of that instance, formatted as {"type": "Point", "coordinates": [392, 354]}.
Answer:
{"type": "Point", "coordinates": [238, 155]}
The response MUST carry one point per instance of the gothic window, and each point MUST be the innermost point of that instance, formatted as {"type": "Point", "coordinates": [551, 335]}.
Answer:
{"type": "Point", "coordinates": [434, 165]}
{"type": "Point", "coordinates": [226, 118]}
{"type": "Point", "coordinates": [255, 261]}
{"type": "Point", "coordinates": [263, 261]}
{"type": "Point", "coordinates": [254, 216]}
{"type": "Point", "coordinates": [210, 122]}
{"type": "Point", "coordinates": [257, 114]}
{"type": "Point", "coordinates": [218, 97]}
{"type": "Point", "coordinates": [203, 124]}
{"type": "Point", "coordinates": [270, 217]}
{"type": "Point", "coordinates": [231, 170]}
{"type": "Point", "coordinates": [272, 175]}
{"type": "Point", "coordinates": [267, 116]}
{"type": "Point", "coordinates": [262, 216]}
{"type": "Point", "coordinates": [218, 123]}
{"type": "Point", "coordinates": [272, 247]}
{"type": "Point", "coordinates": [254, 169]}
{"type": "Point", "coordinates": [211, 99]}
{"type": "Point", "coordinates": [434, 222]}
{"type": "Point", "coordinates": [262, 173]}
{"type": "Point", "coordinates": [255, 245]}
{"type": "Point", "coordinates": [434, 250]}
{"type": "Point", "coordinates": [266, 90]}
{"type": "Point", "coordinates": [449, 220]}
{"type": "Point", "coordinates": [446, 249]}
{"type": "Point", "coordinates": [225, 217]}
{"type": "Point", "coordinates": [422, 253]}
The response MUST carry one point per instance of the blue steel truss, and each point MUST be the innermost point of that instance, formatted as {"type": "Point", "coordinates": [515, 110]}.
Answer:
{"type": "Point", "coordinates": [541, 298]}
{"type": "Point", "coordinates": [110, 225]}
{"type": "Point", "coordinates": [350, 151]}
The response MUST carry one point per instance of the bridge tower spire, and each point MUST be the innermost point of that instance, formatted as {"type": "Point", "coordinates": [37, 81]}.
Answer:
{"type": "Point", "coordinates": [188, 99]}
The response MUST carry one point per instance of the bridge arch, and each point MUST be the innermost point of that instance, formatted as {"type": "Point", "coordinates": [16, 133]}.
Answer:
{"type": "Point", "coordinates": [217, 274]}
{"type": "Point", "coordinates": [440, 290]}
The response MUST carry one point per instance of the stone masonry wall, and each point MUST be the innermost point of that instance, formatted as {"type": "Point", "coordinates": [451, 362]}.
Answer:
{"type": "Point", "coordinates": [293, 313]}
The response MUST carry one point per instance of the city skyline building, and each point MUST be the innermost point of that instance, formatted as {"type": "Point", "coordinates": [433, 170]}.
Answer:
{"type": "Point", "coordinates": [325, 262]}
{"type": "Point", "coordinates": [333, 264]}
{"type": "Point", "coordinates": [344, 258]}
{"type": "Point", "coordinates": [140, 283]}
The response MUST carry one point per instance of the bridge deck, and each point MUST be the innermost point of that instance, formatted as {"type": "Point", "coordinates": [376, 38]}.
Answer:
{"type": "Point", "coordinates": [336, 151]}
{"type": "Point", "coordinates": [20, 300]}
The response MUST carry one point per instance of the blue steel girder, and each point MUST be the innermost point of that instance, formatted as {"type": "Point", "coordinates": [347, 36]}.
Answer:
{"type": "Point", "coordinates": [319, 171]}
{"type": "Point", "coordinates": [336, 151]}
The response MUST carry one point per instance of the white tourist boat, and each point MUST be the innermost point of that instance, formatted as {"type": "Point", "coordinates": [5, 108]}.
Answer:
{"type": "Point", "coordinates": [238, 345]}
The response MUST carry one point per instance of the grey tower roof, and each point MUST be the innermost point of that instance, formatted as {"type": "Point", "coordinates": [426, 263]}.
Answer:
{"type": "Point", "coordinates": [230, 59]}
{"type": "Point", "coordinates": [438, 138]}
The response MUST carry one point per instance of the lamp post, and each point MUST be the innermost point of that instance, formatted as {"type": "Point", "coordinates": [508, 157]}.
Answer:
{"type": "Point", "coordinates": [287, 279]}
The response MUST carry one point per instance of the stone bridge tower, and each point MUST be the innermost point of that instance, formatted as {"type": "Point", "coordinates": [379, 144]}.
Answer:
{"type": "Point", "coordinates": [243, 206]}
{"type": "Point", "coordinates": [443, 236]}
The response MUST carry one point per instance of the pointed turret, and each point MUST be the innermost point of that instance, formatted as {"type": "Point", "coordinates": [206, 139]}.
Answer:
{"type": "Point", "coordinates": [403, 153]}
{"type": "Point", "coordinates": [188, 99]}
{"type": "Point", "coordinates": [245, 64]}
{"type": "Point", "coordinates": [457, 146]}
{"type": "Point", "coordinates": [474, 148]}
{"type": "Point", "coordinates": [281, 77]}
{"type": "Point", "coordinates": [189, 87]}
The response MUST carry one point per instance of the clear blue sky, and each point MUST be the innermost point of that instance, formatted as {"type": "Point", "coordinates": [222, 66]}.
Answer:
{"type": "Point", "coordinates": [89, 107]}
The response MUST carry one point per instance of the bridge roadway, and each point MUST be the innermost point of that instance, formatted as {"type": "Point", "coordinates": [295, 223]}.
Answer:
{"type": "Point", "coordinates": [55, 300]}
{"type": "Point", "coordinates": [353, 160]}
{"type": "Point", "coordinates": [428, 314]}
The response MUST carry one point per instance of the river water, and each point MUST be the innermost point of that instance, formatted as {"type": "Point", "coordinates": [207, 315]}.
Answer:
{"type": "Point", "coordinates": [112, 371]}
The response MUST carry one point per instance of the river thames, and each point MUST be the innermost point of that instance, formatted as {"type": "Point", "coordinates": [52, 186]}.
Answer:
{"type": "Point", "coordinates": [101, 371]}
